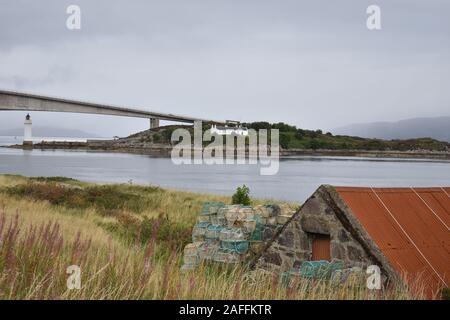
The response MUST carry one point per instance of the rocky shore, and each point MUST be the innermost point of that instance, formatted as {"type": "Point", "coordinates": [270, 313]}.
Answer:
{"type": "Point", "coordinates": [164, 150]}
{"type": "Point", "coordinates": [157, 142]}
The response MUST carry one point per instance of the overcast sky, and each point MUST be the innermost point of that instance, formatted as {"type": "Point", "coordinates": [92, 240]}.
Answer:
{"type": "Point", "coordinates": [309, 63]}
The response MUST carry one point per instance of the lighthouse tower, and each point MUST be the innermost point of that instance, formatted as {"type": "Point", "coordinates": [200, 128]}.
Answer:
{"type": "Point", "coordinates": [27, 135]}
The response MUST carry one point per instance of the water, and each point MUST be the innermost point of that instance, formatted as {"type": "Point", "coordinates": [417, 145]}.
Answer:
{"type": "Point", "coordinates": [297, 178]}
{"type": "Point", "coordinates": [8, 140]}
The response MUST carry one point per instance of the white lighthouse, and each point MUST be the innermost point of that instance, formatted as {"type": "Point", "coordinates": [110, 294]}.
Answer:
{"type": "Point", "coordinates": [27, 133]}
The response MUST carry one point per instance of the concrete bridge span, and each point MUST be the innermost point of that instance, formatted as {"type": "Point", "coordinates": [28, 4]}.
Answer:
{"type": "Point", "coordinates": [19, 101]}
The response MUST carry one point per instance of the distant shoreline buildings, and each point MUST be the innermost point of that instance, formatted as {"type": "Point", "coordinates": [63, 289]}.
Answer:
{"type": "Point", "coordinates": [230, 128]}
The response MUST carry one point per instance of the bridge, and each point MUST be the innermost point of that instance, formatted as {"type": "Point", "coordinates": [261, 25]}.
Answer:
{"type": "Point", "coordinates": [19, 101]}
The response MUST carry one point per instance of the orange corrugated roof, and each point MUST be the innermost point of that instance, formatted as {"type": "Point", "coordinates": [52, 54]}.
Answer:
{"type": "Point", "coordinates": [410, 226]}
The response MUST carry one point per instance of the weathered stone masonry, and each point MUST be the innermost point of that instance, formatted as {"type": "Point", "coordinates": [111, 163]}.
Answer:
{"type": "Point", "coordinates": [322, 214]}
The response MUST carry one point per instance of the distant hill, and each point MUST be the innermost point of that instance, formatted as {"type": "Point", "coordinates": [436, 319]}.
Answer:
{"type": "Point", "coordinates": [437, 128]}
{"type": "Point", "coordinates": [292, 137]}
{"type": "Point", "coordinates": [293, 141]}
{"type": "Point", "coordinates": [50, 132]}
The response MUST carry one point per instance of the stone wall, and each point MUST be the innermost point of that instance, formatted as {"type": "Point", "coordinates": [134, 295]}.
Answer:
{"type": "Point", "coordinates": [293, 245]}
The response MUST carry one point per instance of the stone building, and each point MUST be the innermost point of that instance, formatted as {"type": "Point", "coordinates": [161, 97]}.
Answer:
{"type": "Point", "coordinates": [404, 231]}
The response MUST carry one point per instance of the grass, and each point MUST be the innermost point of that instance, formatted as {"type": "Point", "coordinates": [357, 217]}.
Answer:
{"type": "Point", "coordinates": [292, 137]}
{"type": "Point", "coordinates": [108, 199]}
{"type": "Point", "coordinates": [128, 242]}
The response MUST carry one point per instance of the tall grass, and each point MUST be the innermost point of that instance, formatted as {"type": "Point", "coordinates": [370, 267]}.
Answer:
{"type": "Point", "coordinates": [140, 259]}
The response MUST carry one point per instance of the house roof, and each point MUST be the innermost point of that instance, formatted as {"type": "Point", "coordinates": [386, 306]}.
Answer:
{"type": "Point", "coordinates": [410, 226]}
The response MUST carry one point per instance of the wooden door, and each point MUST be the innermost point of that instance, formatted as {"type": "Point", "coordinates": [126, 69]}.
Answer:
{"type": "Point", "coordinates": [321, 248]}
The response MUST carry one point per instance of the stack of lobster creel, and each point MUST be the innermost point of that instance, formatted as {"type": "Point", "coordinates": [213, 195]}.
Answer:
{"type": "Point", "coordinates": [231, 233]}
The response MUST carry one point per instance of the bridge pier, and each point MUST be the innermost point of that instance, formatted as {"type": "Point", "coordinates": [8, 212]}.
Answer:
{"type": "Point", "coordinates": [154, 123]}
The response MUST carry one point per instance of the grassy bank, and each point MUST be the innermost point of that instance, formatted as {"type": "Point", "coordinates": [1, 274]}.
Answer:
{"type": "Point", "coordinates": [293, 141]}
{"type": "Point", "coordinates": [128, 241]}
{"type": "Point", "coordinates": [292, 137]}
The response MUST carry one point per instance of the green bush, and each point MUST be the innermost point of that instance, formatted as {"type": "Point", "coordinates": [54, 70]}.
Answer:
{"type": "Point", "coordinates": [300, 134]}
{"type": "Point", "coordinates": [315, 144]}
{"type": "Point", "coordinates": [283, 127]}
{"type": "Point", "coordinates": [105, 198]}
{"type": "Point", "coordinates": [167, 134]}
{"type": "Point", "coordinates": [258, 125]}
{"type": "Point", "coordinates": [293, 137]}
{"type": "Point", "coordinates": [284, 140]}
{"type": "Point", "coordinates": [156, 138]}
{"type": "Point", "coordinates": [241, 196]}
{"type": "Point", "coordinates": [168, 234]}
{"type": "Point", "coordinates": [53, 179]}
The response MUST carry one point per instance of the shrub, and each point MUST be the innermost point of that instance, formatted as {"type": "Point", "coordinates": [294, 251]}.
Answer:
{"type": "Point", "coordinates": [300, 134]}
{"type": "Point", "coordinates": [106, 198]}
{"type": "Point", "coordinates": [156, 138]}
{"type": "Point", "coordinates": [258, 125]}
{"type": "Point", "coordinates": [283, 127]}
{"type": "Point", "coordinates": [284, 140]}
{"type": "Point", "coordinates": [241, 196]}
{"type": "Point", "coordinates": [53, 179]}
{"type": "Point", "coordinates": [314, 144]}
{"type": "Point", "coordinates": [169, 235]}
{"type": "Point", "coordinates": [167, 134]}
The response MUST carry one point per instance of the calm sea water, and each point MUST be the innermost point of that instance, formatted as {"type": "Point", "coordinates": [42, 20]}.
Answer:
{"type": "Point", "coordinates": [9, 140]}
{"type": "Point", "coordinates": [297, 178]}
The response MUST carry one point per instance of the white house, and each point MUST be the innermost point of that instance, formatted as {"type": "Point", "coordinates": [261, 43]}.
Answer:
{"type": "Point", "coordinates": [226, 131]}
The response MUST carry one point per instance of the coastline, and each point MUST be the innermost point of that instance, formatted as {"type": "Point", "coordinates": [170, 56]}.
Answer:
{"type": "Point", "coordinates": [164, 150]}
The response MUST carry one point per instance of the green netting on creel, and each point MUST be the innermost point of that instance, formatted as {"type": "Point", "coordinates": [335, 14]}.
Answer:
{"type": "Point", "coordinates": [211, 207]}
{"type": "Point", "coordinates": [202, 225]}
{"type": "Point", "coordinates": [257, 233]}
{"type": "Point", "coordinates": [213, 231]}
{"type": "Point", "coordinates": [230, 233]}
{"type": "Point", "coordinates": [237, 246]}
{"type": "Point", "coordinates": [199, 230]}
{"type": "Point", "coordinates": [286, 277]}
{"type": "Point", "coordinates": [274, 208]}
{"type": "Point", "coordinates": [321, 269]}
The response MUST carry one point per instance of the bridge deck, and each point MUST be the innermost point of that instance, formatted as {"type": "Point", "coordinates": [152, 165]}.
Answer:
{"type": "Point", "coordinates": [12, 100]}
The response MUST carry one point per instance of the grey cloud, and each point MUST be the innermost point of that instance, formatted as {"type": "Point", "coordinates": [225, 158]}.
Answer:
{"type": "Point", "coordinates": [310, 63]}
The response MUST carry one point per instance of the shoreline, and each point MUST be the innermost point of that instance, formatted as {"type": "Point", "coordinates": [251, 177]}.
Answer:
{"type": "Point", "coordinates": [164, 151]}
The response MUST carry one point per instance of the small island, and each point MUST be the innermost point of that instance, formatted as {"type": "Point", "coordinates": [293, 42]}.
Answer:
{"type": "Point", "coordinates": [293, 142]}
